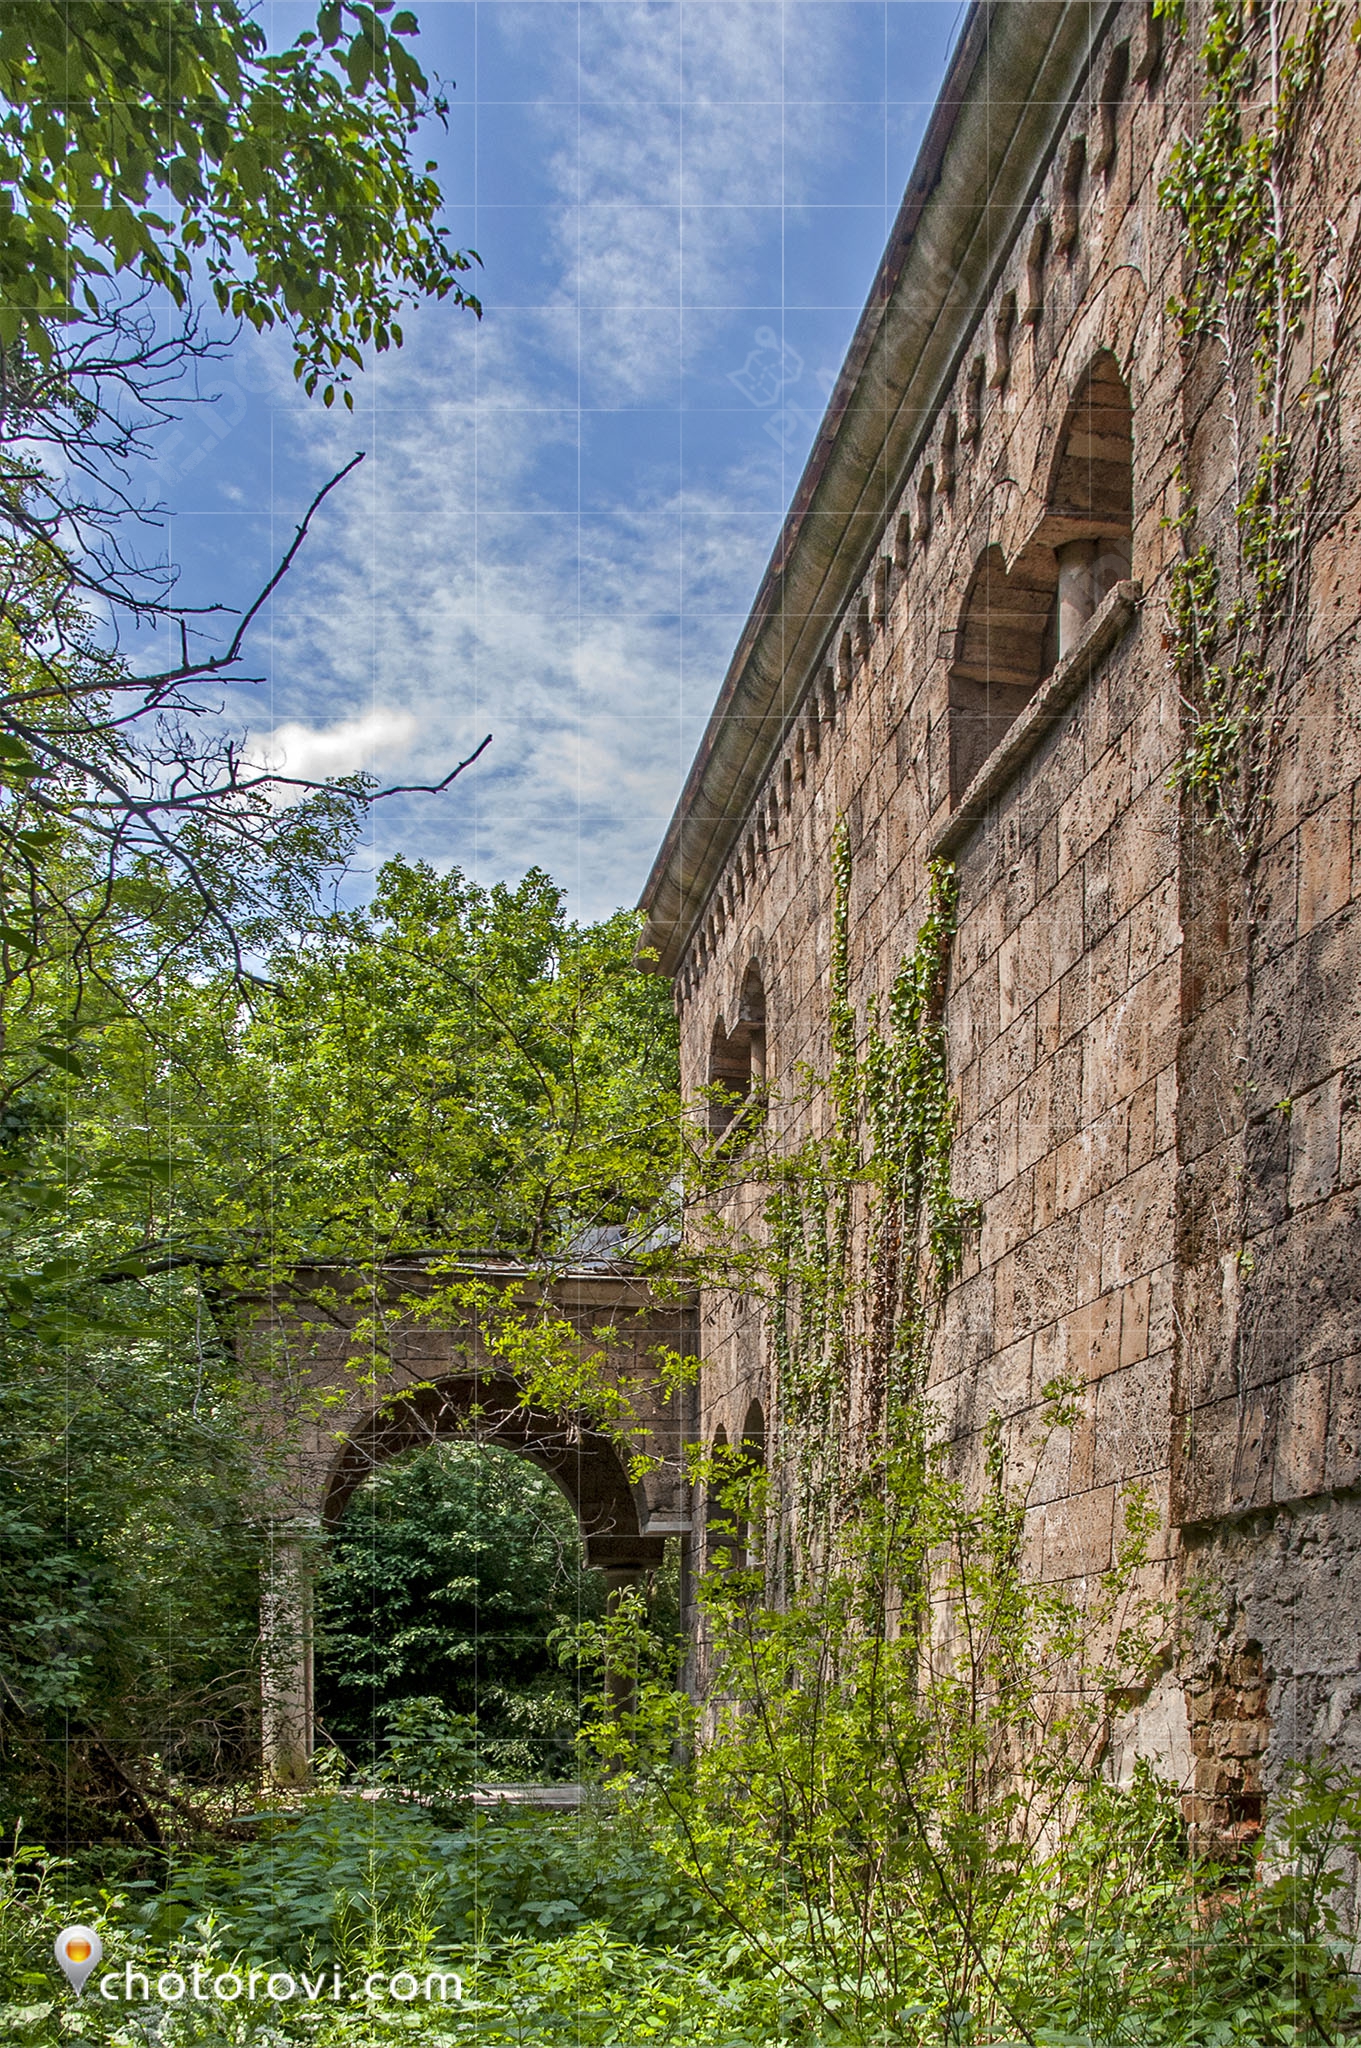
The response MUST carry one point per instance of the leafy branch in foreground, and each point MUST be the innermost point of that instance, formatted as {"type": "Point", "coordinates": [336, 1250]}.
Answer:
{"type": "Point", "coordinates": [906, 1749]}
{"type": "Point", "coordinates": [143, 150]}
{"type": "Point", "coordinates": [136, 141]}
{"type": "Point", "coordinates": [148, 153]}
{"type": "Point", "coordinates": [98, 756]}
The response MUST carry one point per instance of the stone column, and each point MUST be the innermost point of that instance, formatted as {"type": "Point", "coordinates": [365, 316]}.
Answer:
{"type": "Point", "coordinates": [286, 1649]}
{"type": "Point", "coordinates": [1088, 571]}
{"type": "Point", "coordinates": [1077, 591]}
{"type": "Point", "coordinates": [619, 1684]}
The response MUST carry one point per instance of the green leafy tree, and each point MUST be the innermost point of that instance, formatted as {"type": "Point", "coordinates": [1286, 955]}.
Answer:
{"type": "Point", "coordinates": [140, 140]}
{"type": "Point", "coordinates": [149, 152]}
{"type": "Point", "coordinates": [453, 1068]}
{"type": "Point", "coordinates": [127, 1556]}
{"type": "Point", "coordinates": [146, 868]}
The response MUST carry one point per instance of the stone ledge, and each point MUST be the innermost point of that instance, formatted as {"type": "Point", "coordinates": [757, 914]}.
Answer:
{"type": "Point", "coordinates": [1107, 624]}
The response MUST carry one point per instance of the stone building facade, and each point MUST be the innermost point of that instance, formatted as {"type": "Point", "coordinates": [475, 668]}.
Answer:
{"type": "Point", "coordinates": [961, 649]}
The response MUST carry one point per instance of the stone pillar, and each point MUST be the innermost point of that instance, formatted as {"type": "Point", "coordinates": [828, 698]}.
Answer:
{"type": "Point", "coordinates": [1077, 591]}
{"type": "Point", "coordinates": [1088, 571]}
{"type": "Point", "coordinates": [286, 1649]}
{"type": "Point", "coordinates": [619, 1684]}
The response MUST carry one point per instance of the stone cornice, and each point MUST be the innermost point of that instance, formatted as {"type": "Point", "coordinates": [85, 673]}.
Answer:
{"type": "Point", "coordinates": [1009, 90]}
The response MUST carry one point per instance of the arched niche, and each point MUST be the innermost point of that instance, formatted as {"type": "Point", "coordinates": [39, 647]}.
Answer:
{"type": "Point", "coordinates": [1017, 622]}
{"type": "Point", "coordinates": [717, 1520]}
{"type": "Point", "coordinates": [737, 1058]}
{"type": "Point", "coordinates": [1089, 508]}
{"type": "Point", "coordinates": [1004, 647]}
{"type": "Point", "coordinates": [754, 1459]}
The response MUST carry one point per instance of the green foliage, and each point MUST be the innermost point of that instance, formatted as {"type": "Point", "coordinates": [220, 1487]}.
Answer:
{"type": "Point", "coordinates": [391, 1092]}
{"type": "Point", "coordinates": [566, 1929]}
{"type": "Point", "coordinates": [444, 1581]}
{"type": "Point", "coordinates": [136, 140]}
{"type": "Point", "coordinates": [431, 1755]}
{"type": "Point", "coordinates": [453, 1068]}
{"type": "Point", "coordinates": [576, 1930]}
{"type": "Point", "coordinates": [351, 1869]}
{"type": "Point", "coordinates": [875, 1170]}
{"type": "Point", "coordinates": [906, 1749]}
{"type": "Point", "coordinates": [127, 1568]}
{"type": "Point", "coordinates": [929, 1851]}
{"type": "Point", "coordinates": [128, 1588]}
{"type": "Point", "coordinates": [127, 1632]}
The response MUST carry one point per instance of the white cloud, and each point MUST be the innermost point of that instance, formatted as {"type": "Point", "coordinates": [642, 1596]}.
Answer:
{"type": "Point", "coordinates": [314, 753]}
{"type": "Point", "coordinates": [671, 151]}
{"type": "Point", "coordinates": [453, 583]}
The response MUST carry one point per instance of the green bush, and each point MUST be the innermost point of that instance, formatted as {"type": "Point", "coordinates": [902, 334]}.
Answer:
{"type": "Point", "coordinates": [572, 1929]}
{"type": "Point", "coordinates": [360, 1867]}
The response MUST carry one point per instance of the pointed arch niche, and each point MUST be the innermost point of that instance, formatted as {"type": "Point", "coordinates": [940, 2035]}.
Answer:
{"type": "Point", "coordinates": [1017, 624]}
{"type": "Point", "coordinates": [1089, 516]}
{"type": "Point", "coordinates": [737, 1058]}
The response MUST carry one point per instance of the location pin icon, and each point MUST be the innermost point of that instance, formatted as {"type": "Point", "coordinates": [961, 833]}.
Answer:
{"type": "Point", "coordinates": [78, 1951]}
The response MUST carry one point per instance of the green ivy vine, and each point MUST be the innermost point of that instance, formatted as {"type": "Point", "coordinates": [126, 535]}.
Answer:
{"type": "Point", "coordinates": [1239, 601]}
{"type": "Point", "coordinates": [865, 1233]}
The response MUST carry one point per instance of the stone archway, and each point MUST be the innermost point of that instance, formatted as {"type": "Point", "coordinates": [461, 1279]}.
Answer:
{"type": "Point", "coordinates": [488, 1408]}
{"type": "Point", "coordinates": [324, 1426]}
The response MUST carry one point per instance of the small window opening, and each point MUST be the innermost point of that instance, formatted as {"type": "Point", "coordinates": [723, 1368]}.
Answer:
{"type": "Point", "coordinates": [1091, 501]}
{"type": "Point", "coordinates": [737, 1058]}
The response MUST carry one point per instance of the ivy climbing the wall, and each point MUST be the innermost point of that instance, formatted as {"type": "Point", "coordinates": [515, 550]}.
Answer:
{"type": "Point", "coordinates": [892, 1769]}
{"type": "Point", "coordinates": [1269, 307]}
{"type": "Point", "coordinates": [864, 1233]}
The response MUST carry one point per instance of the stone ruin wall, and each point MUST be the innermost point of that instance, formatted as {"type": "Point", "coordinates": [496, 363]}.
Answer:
{"type": "Point", "coordinates": [1104, 1030]}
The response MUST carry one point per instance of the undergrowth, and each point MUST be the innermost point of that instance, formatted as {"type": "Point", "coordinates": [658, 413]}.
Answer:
{"type": "Point", "coordinates": [584, 1929]}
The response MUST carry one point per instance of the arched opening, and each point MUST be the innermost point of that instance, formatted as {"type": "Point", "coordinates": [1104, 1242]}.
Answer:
{"type": "Point", "coordinates": [751, 1534]}
{"type": "Point", "coordinates": [1016, 624]}
{"type": "Point", "coordinates": [734, 1513]}
{"type": "Point", "coordinates": [1002, 653]}
{"type": "Point", "coordinates": [737, 1058]}
{"type": "Point", "coordinates": [718, 1532]}
{"type": "Point", "coordinates": [1089, 512]}
{"type": "Point", "coordinates": [432, 1475]}
{"type": "Point", "coordinates": [444, 1580]}
{"type": "Point", "coordinates": [489, 1408]}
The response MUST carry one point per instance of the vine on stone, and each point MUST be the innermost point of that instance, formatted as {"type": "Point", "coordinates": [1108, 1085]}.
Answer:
{"type": "Point", "coordinates": [864, 1235]}
{"type": "Point", "coordinates": [1239, 603]}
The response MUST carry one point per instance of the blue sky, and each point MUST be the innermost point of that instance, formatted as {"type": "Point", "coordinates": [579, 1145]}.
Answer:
{"type": "Point", "coordinates": [565, 509]}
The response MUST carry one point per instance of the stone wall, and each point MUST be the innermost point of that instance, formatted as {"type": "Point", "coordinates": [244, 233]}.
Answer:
{"type": "Point", "coordinates": [1156, 1068]}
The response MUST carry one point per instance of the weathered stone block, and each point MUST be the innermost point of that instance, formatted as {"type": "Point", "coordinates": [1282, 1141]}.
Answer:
{"type": "Point", "coordinates": [1301, 1436]}
{"type": "Point", "coordinates": [1315, 1128]}
{"type": "Point", "coordinates": [1132, 1423]}
{"type": "Point", "coordinates": [1325, 862]}
{"type": "Point", "coordinates": [1077, 1535]}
